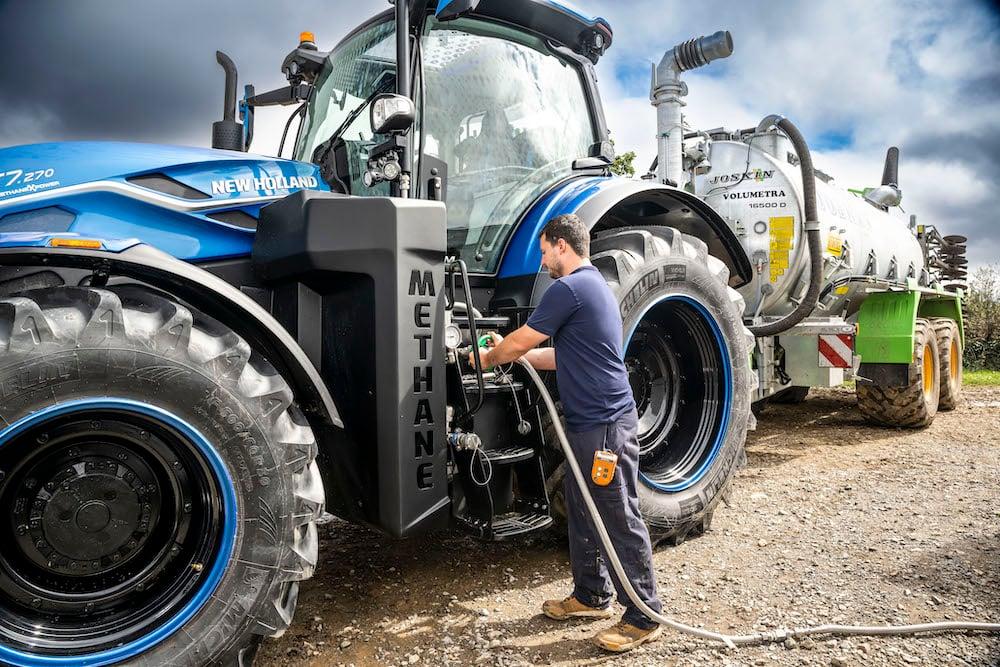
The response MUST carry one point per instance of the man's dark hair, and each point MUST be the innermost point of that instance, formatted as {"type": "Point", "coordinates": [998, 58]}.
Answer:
{"type": "Point", "coordinates": [571, 229]}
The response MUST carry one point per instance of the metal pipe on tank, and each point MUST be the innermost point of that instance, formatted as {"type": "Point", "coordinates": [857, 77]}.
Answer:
{"type": "Point", "coordinates": [666, 90]}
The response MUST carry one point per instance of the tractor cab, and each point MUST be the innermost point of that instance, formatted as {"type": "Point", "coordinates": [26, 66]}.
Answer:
{"type": "Point", "coordinates": [504, 111]}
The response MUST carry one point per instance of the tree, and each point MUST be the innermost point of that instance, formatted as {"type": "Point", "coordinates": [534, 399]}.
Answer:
{"type": "Point", "coordinates": [623, 164]}
{"type": "Point", "coordinates": [982, 328]}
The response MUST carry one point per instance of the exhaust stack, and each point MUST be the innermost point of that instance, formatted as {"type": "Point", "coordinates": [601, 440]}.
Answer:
{"type": "Point", "coordinates": [666, 90]}
{"type": "Point", "coordinates": [888, 194]}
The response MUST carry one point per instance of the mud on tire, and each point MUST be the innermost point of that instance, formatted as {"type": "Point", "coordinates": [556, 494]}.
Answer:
{"type": "Point", "coordinates": [914, 405]}
{"type": "Point", "coordinates": [75, 345]}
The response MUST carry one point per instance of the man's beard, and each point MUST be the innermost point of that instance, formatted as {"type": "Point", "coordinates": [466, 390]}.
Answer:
{"type": "Point", "coordinates": [555, 271]}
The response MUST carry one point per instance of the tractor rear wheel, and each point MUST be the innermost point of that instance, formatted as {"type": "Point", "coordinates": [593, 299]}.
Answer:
{"type": "Point", "coordinates": [688, 357]}
{"type": "Point", "coordinates": [914, 405]}
{"type": "Point", "coordinates": [161, 486]}
{"type": "Point", "coordinates": [949, 342]}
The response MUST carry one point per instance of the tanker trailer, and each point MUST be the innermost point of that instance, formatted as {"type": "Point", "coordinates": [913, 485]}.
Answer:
{"type": "Point", "coordinates": [845, 284]}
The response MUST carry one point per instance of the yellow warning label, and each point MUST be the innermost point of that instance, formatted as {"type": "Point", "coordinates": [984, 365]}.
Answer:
{"type": "Point", "coordinates": [835, 244]}
{"type": "Point", "coordinates": [842, 290]}
{"type": "Point", "coordinates": [782, 232]}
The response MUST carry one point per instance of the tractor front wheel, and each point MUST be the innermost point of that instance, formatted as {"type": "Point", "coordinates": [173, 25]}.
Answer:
{"type": "Point", "coordinates": [161, 487]}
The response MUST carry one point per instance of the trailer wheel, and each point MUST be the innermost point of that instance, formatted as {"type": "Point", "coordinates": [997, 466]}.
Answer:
{"type": "Point", "coordinates": [914, 405]}
{"type": "Point", "coordinates": [950, 354]}
{"type": "Point", "coordinates": [161, 486]}
{"type": "Point", "coordinates": [687, 353]}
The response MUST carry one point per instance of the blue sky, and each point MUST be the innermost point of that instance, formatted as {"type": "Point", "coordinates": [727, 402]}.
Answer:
{"type": "Point", "coordinates": [855, 75]}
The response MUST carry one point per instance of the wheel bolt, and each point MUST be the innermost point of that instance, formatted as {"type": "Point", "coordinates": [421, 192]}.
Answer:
{"type": "Point", "coordinates": [187, 507]}
{"type": "Point", "coordinates": [22, 529]}
{"type": "Point", "coordinates": [37, 602]}
{"type": "Point", "coordinates": [42, 439]}
{"type": "Point", "coordinates": [96, 425]}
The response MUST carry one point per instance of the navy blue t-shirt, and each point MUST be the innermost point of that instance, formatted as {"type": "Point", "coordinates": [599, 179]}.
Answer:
{"type": "Point", "coordinates": [580, 314]}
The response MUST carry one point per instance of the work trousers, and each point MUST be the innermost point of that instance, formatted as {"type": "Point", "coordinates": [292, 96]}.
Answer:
{"type": "Point", "coordinates": [618, 505]}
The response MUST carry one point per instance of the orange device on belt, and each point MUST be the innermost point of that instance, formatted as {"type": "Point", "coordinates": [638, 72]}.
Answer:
{"type": "Point", "coordinates": [604, 467]}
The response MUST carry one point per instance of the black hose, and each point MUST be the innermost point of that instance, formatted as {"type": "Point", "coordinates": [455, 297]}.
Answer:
{"type": "Point", "coordinates": [815, 244]}
{"type": "Point", "coordinates": [470, 312]}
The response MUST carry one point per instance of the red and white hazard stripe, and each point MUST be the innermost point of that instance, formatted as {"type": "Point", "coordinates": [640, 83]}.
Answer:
{"type": "Point", "coordinates": [836, 350]}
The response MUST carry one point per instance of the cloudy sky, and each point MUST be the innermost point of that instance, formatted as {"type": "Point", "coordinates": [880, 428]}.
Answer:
{"type": "Point", "coordinates": [855, 75]}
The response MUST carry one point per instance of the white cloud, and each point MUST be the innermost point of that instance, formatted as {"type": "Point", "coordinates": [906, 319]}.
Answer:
{"type": "Point", "coordinates": [881, 72]}
{"type": "Point", "coordinates": [912, 74]}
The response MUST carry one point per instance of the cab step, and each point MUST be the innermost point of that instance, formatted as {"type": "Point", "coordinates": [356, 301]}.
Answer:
{"type": "Point", "coordinates": [508, 455]}
{"type": "Point", "coordinates": [512, 525]}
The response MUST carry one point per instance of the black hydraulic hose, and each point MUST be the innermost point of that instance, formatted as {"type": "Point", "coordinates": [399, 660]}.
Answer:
{"type": "Point", "coordinates": [815, 244]}
{"type": "Point", "coordinates": [470, 313]}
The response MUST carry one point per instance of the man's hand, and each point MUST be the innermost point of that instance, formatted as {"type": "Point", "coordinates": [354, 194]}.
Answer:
{"type": "Point", "coordinates": [504, 350]}
{"type": "Point", "coordinates": [484, 352]}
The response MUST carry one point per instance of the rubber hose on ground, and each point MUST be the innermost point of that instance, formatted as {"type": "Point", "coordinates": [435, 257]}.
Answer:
{"type": "Point", "coordinates": [730, 640]}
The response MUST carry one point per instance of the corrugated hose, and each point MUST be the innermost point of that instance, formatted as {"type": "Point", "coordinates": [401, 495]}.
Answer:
{"type": "Point", "coordinates": [730, 640]}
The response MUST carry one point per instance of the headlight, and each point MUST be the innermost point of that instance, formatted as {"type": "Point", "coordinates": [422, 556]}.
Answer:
{"type": "Point", "coordinates": [391, 170]}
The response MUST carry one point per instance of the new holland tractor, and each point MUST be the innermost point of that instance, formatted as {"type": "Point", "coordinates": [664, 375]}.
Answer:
{"type": "Point", "coordinates": [200, 350]}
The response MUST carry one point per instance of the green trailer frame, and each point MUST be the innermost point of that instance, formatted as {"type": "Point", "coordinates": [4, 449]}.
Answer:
{"type": "Point", "coordinates": [886, 321]}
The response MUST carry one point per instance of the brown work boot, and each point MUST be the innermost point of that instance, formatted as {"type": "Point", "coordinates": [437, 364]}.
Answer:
{"type": "Point", "coordinates": [560, 610]}
{"type": "Point", "coordinates": [624, 636]}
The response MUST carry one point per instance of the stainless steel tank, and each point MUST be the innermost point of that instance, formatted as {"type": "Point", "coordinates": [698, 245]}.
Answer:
{"type": "Point", "coordinates": [756, 185]}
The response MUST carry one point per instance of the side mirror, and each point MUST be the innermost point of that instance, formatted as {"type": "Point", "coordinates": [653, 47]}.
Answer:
{"type": "Point", "coordinates": [392, 113]}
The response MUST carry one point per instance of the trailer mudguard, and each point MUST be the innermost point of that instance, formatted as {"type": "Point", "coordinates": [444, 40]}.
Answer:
{"type": "Point", "coordinates": [203, 291]}
{"type": "Point", "coordinates": [885, 329]}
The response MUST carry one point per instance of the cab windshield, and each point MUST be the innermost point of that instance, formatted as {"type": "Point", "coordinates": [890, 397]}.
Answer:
{"type": "Point", "coordinates": [509, 116]}
{"type": "Point", "coordinates": [506, 112]}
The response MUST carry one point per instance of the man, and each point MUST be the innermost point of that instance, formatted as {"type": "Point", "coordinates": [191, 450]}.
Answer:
{"type": "Point", "coordinates": [580, 314]}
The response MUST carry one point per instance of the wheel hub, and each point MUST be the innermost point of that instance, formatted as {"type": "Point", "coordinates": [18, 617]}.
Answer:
{"type": "Point", "coordinates": [89, 517]}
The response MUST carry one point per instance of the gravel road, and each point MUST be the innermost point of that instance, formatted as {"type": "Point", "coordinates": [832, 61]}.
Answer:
{"type": "Point", "coordinates": [831, 521]}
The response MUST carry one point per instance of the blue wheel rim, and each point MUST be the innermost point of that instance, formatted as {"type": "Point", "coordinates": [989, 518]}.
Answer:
{"type": "Point", "coordinates": [725, 398]}
{"type": "Point", "coordinates": [215, 572]}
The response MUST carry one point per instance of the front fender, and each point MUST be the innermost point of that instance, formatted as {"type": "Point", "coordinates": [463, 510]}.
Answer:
{"type": "Point", "coordinates": [203, 291]}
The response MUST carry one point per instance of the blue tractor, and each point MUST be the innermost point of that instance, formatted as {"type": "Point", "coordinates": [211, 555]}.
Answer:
{"type": "Point", "coordinates": [200, 350]}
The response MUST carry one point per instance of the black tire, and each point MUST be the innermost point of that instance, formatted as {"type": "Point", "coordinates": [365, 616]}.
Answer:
{"type": "Point", "coordinates": [791, 395]}
{"type": "Point", "coordinates": [94, 354]}
{"type": "Point", "coordinates": [914, 405]}
{"type": "Point", "coordinates": [950, 355]}
{"type": "Point", "coordinates": [663, 280]}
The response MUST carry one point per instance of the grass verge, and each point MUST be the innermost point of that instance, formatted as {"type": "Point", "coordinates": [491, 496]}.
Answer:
{"type": "Point", "coordinates": [981, 378]}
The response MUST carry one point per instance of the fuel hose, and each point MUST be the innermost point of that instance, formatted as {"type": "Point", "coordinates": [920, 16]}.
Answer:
{"type": "Point", "coordinates": [730, 640]}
